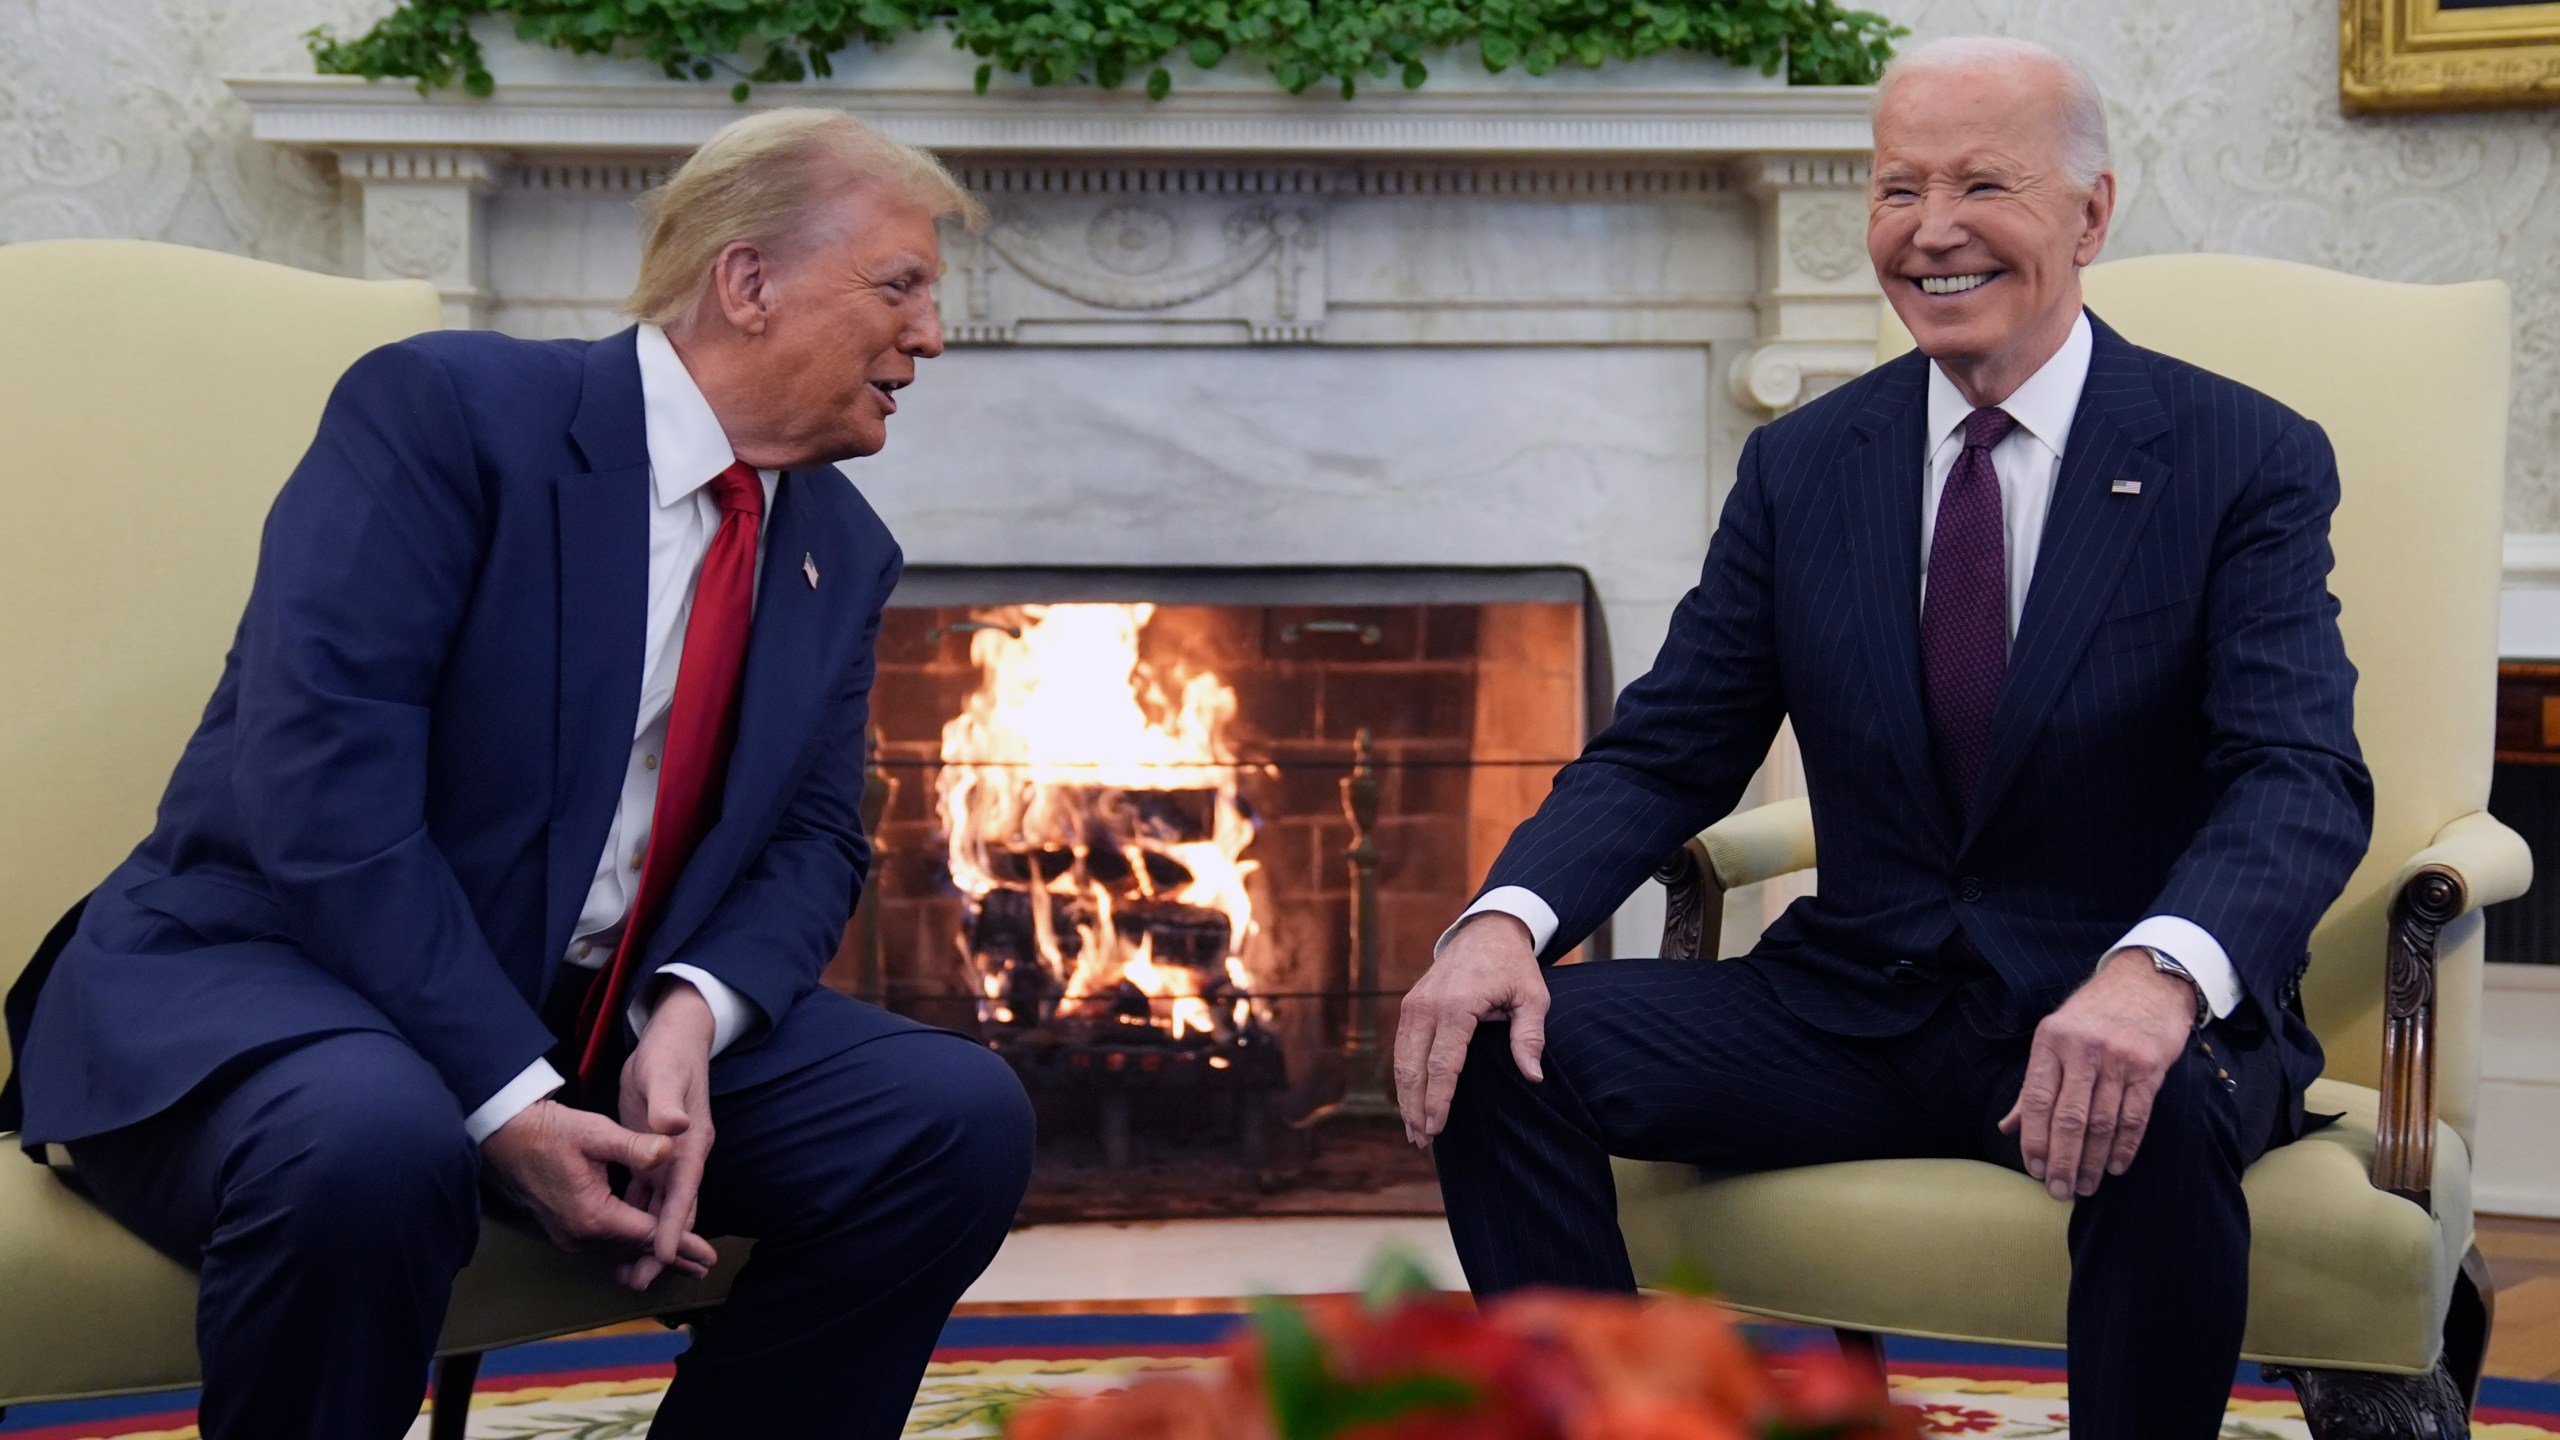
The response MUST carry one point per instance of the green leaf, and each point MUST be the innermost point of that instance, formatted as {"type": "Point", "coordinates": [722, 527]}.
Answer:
{"type": "Point", "coordinates": [1309, 1403]}
{"type": "Point", "coordinates": [1060, 42]}
{"type": "Point", "coordinates": [986, 75]}
{"type": "Point", "coordinates": [1394, 1276]}
{"type": "Point", "coordinates": [1687, 1277]}
{"type": "Point", "coordinates": [1159, 83]}
{"type": "Point", "coordinates": [738, 92]}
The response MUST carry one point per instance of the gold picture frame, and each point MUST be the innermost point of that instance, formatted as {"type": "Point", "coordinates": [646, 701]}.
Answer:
{"type": "Point", "coordinates": [2398, 55]}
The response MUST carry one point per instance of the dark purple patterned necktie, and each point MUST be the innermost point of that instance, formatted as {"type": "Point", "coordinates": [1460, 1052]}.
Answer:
{"type": "Point", "coordinates": [1964, 621]}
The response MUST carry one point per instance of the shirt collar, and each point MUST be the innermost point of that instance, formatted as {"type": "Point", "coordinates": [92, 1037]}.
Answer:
{"type": "Point", "coordinates": [2043, 406]}
{"type": "Point", "coordinates": [687, 447]}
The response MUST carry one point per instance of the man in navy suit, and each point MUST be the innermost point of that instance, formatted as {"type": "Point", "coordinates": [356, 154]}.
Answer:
{"type": "Point", "coordinates": [518, 832]}
{"type": "Point", "coordinates": [2049, 615]}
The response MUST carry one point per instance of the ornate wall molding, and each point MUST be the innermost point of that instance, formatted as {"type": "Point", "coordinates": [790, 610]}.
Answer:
{"type": "Point", "coordinates": [1817, 294]}
{"type": "Point", "coordinates": [423, 220]}
{"type": "Point", "coordinates": [1182, 262]}
{"type": "Point", "coordinates": [672, 116]}
{"type": "Point", "coordinates": [1776, 376]}
{"type": "Point", "coordinates": [1224, 224]}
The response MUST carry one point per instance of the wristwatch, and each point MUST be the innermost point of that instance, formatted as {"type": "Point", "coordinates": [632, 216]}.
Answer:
{"type": "Point", "coordinates": [2167, 964]}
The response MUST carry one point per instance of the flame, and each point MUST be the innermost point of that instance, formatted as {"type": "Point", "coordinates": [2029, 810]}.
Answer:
{"type": "Point", "coordinates": [1062, 780]}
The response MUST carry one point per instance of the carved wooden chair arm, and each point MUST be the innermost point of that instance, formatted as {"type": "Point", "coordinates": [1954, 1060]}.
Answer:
{"type": "Point", "coordinates": [2473, 861]}
{"type": "Point", "coordinates": [1743, 848]}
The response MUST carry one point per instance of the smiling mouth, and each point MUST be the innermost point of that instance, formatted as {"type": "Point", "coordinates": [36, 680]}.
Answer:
{"type": "Point", "coordinates": [1954, 284]}
{"type": "Point", "coordinates": [888, 390]}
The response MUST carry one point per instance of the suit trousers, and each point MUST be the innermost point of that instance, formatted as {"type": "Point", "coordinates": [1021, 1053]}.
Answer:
{"type": "Point", "coordinates": [327, 1196]}
{"type": "Point", "coordinates": [1698, 1062]}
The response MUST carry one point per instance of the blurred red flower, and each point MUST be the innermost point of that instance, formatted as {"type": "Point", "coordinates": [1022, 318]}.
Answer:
{"type": "Point", "coordinates": [1549, 1365]}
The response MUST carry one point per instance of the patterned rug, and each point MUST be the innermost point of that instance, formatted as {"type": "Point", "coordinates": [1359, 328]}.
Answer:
{"type": "Point", "coordinates": [605, 1386]}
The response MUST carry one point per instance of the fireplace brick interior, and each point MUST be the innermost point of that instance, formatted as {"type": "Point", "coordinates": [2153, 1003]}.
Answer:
{"type": "Point", "coordinates": [1469, 706]}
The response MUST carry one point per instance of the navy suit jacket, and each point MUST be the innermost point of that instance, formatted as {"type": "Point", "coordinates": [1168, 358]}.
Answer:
{"type": "Point", "coordinates": [2175, 734]}
{"type": "Point", "coordinates": [393, 808]}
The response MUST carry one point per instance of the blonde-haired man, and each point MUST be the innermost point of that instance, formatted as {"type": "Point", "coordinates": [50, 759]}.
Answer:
{"type": "Point", "coordinates": [517, 833]}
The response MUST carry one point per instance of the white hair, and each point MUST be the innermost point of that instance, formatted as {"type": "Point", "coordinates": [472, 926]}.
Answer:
{"type": "Point", "coordinates": [2084, 114]}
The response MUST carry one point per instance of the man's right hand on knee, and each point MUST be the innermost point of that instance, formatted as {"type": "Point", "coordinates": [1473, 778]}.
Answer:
{"type": "Point", "coordinates": [551, 1159]}
{"type": "Point", "coordinates": [1488, 970]}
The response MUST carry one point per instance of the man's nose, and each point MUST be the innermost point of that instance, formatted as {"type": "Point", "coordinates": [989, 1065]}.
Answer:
{"type": "Point", "coordinates": [1939, 228]}
{"type": "Point", "coordinates": [923, 339]}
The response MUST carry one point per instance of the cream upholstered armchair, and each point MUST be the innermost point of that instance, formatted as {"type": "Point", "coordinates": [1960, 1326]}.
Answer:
{"type": "Point", "coordinates": [2365, 1290]}
{"type": "Point", "coordinates": [154, 399]}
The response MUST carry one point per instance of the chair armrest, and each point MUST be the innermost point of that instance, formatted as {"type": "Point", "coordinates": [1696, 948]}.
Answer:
{"type": "Point", "coordinates": [2490, 862]}
{"type": "Point", "coordinates": [1743, 848]}
{"type": "Point", "coordinates": [1750, 846]}
{"type": "Point", "coordinates": [2473, 861]}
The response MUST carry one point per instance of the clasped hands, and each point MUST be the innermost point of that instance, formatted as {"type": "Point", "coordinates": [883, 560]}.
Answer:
{"type": "Point", "coordinates": [2093, 1071]}
{"type": "Point", "coordinates": [551, 1157]}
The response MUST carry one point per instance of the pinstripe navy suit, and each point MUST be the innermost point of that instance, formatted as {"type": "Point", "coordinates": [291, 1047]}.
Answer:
{"type": "Point", "coordinates": [2174, 737]}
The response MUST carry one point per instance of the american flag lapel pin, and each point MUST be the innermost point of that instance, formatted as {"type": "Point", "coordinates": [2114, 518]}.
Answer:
{"type": "Point", "coordinates": [2120, 487]}
{"type": "Point", "coordinates": [809, 567]}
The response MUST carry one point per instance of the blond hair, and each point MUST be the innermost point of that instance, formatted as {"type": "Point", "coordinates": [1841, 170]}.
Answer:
{"type": "Point", "coordinates": [762, 179]}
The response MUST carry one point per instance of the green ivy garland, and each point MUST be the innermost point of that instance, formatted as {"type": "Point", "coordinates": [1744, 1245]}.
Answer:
{"type": "Point", "coordinates": [1056, 42]}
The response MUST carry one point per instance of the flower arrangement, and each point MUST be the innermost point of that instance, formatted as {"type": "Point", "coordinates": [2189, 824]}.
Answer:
{"type": "Point", "coordinates": [1417, 1365]}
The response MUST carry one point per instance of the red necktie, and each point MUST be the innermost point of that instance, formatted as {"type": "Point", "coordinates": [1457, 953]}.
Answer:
{"type": "Point", "coordinates": [1964, 623]}
{"type": "Point", "coordinates": [701, 723]}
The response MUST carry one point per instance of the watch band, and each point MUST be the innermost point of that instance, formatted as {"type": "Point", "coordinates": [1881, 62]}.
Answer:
{"type": "Point", "coordinates": [2167, 964]}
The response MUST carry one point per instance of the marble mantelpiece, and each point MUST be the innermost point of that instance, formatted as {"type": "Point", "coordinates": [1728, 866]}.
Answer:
{"type": "Point", "coordinates": [1487, 322]}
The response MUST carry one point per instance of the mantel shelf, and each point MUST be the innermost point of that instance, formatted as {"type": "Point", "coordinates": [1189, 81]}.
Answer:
{"type": "Point", "coordinates": [660, 117]}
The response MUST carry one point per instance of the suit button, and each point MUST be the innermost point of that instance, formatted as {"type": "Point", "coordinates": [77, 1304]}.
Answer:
{"type": "Point", "coordinates": [1969, 889]}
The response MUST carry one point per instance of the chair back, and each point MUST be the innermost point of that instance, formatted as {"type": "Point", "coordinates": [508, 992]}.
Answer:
{"type": "Point", "coordinates": [154, 398]}
{"type": "Point", "coordinates": [2410, 382]}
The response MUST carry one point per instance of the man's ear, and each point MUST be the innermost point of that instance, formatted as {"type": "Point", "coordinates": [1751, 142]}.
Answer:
{"type": "Point", "coordinates": [742, 286]}
{"type": "Point", "coordinates": [2098, 211]}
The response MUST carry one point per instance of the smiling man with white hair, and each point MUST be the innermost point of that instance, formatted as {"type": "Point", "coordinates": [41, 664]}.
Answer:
{"type": "Point", "coordinates": [2049, 614]}
{"type": "Point", "coordinates": [522, 822]}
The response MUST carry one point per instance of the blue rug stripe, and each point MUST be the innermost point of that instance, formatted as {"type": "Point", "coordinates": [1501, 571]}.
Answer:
{"type": "Point", "coordinates": [73, 1412]}
{"type": "Point", "coordinates": [2540, 1396]}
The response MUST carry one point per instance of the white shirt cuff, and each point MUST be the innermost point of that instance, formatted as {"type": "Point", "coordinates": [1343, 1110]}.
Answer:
{"type": "Point", "coordinates": [1520, 904]}
{"type": "Point", "coordinates": [729, 1009]}
{"type": "Point", "coordinates": [2187, 943]}
{"type": "Point", "coordinates": [538, 1082]}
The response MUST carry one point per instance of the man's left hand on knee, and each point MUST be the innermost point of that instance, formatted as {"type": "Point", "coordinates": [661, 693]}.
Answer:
{"type": "Point", "coordinates": [2095, 1069]}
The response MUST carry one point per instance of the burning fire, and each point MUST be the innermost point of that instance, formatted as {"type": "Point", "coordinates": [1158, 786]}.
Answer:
{"type": "Point", "coordinates": [1095, 828]}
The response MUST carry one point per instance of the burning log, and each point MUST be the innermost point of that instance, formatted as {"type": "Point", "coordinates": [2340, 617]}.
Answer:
{"type": "Point", "coordinates": [1177, 934]}
{"type": "Point", "coordinates": [1099, 839]}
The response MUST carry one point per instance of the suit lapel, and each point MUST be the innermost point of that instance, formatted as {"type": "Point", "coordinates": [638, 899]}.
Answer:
{"type": "Point", "coordinates": [783, 694]}
{"type": "Point", "coordinates": [2089, 535]}
{"type": "Point", "coordinates": [1882, 494]}
{"type": "Point", "coordinates": [603, 518]}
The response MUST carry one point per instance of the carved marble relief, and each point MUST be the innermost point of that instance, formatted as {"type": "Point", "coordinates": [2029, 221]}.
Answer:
{"type": "Point", "coordinates": [1180, 257]}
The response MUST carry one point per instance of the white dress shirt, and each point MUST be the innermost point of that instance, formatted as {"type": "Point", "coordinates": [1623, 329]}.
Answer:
{"type": "Point", "coordinates": [2028, 460]}
{"type": "Point", "coordinates": [687, 450]}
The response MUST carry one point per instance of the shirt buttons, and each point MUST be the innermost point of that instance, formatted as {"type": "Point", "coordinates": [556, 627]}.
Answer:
{"type": "Point", "coordinates": [1969, 889]}
{"type": "Point", "coordinates": [639, 852]}
{"type": "Point", "coordinates": [648, 762]}
{"type": "Point", "coordinates": [585, 950]}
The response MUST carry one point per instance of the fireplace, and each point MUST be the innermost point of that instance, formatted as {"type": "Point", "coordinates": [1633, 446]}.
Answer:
{"type": "Point", "coordinates": [1497, 322]}
{"type": "Point", "coordinates": [1129, 822]}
